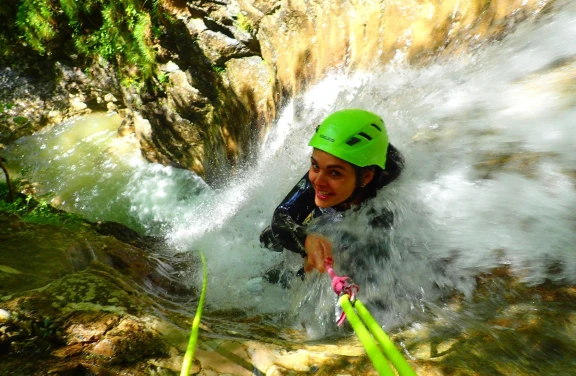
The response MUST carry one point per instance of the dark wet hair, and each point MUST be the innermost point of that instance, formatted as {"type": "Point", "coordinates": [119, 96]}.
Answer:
{"type": "Point", "coordinates": [382, 177]}
{"type": "Point", "coordinates": [394, 166]}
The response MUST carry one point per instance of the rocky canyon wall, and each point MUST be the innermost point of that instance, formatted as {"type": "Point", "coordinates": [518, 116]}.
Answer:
{"type": "Point", "coordinates": [227, 67]}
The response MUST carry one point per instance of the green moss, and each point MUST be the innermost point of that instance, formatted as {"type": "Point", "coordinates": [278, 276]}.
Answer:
{"type": "Point", "coordinates": [38, 210]}
{"type": "Point", "coordinates": [87, 291]}
{"type": "Point", "coordinates": [4, 108]}
{"type": "Point", "coordinates": [120, 31]}
{"type": "Point", "coordinates": [20, 120]}
{"type": "Point", "coordinates": [244, 23]}
{"type": "Point", "coordinates": [87, 306]}
{"type": "Point", "coordinates": [218, 69]}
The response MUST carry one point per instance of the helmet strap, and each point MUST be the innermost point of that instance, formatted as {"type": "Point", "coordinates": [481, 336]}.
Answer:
{"type": "Point", "coordinates": [359, 172]}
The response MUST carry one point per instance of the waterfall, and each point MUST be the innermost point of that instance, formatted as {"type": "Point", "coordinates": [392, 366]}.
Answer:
{"type": "Point", "coordinates": [489, 143]}
{"type": "Point", "coordinates": [489, 140]}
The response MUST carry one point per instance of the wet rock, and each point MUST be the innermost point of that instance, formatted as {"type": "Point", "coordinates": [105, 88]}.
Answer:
{"type": "Point", "coordinates": [204, 116]}
{"type": "Point", "coordinates": [49, 96]}
{"type": "Point", "coordinates": [129, 341]}
{"type": "Point", "coordinates": [126, 128]}
{"type": "Point", "coordinates": [220, 48]}
{"type": "Point", "coordinates": [88, 326]}
{"type": "Point", "coordinates": [39, 262]}
{"type": "Point", "coordinates": [523, 163]}
{"type": "Point", "coordinates": [99, 319]}
{"type": "Point", "coordinates": [126, 235]}
{"type": "Point", "coordinates": [182, 93]}
{"type": "Point", "coordinates": [77, 105]}
{"type": "Point", "coordinates": [4, 316]}
{"type": "Point", "coordinates": [91, 311]}
{"type": "Point", "coordinates": [506, 328]}
{"type": "Point", "coordinates": [303, 40]}
{"type": "Point", "coordinates": [55, 117]}
{"type": "Point", "coordinates": [110, 98]}
{"type": "Point", "coordinates": [252, 81]}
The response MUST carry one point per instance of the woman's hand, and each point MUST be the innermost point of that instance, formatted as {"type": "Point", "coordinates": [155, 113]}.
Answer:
{"type": "Point", "coordinates": [318, 249]}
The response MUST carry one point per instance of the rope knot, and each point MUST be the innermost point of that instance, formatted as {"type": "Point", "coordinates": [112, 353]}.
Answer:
{"type": "Point", "coordinates": [341, 285]}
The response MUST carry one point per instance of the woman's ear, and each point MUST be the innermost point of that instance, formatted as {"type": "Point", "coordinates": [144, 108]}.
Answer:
{"type": "Point", "coordinates": [367, 177]}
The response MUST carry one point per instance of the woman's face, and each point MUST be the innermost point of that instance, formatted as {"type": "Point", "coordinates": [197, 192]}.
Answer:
{"type": "Point", "coordinates": [333, 179]}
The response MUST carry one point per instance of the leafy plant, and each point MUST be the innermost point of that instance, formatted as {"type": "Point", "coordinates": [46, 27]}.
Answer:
{"type": "Point", "coordinates": [4, 108]}
{"type": "Point", "coordinates": [37, 210]}
{"type": "Point", "coordinates": [120, 31]}
{"type": "Point", "coordinates": [218, 69]}
{"type": "Point", "coordinates": [35, 18]}
{"type": "Point", "coordinates": [4, 114]}
{"type": "Point", "coordinates": [162, 77]}
{"type": "Point", "coordinates": [244, 23]}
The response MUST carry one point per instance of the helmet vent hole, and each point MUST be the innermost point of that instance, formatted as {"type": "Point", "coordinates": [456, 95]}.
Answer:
{"type": "Point", "coordinates": [365, 136]}
{"type": "Point", "coordinates": [377, 127]}
{"type": "Point", "coordinates": [353, 141]}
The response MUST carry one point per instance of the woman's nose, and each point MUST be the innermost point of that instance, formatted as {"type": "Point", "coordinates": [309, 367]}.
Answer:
{"type": "Point", "coordinates": [319, 179]}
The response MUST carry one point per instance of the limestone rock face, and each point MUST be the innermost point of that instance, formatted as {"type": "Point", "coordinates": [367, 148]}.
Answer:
{"type": "Point", "coordinates": [29, 102]}
{"type": "Point", "coordinates": [264, 52]}
{"type": "Point", "coordinates": [225, 68]}
{"type": "Point", "coordinates": [302, 40]}
{"type": "Point", "coordinates": [207, 120]}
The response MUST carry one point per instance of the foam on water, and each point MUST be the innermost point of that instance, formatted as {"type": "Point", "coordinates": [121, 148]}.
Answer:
{"type": "Point", "coordinates": [456, 216]}
{"type": "Point", "coordinates": [489, 145]}
{"type": "Point", "coordinates": [84, 167]}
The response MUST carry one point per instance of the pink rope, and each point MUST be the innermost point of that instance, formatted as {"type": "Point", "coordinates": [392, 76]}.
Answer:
{"type": "Point", "coordinates": [338, 283]}
{"type": "Point", "coordinates": [340, 286]}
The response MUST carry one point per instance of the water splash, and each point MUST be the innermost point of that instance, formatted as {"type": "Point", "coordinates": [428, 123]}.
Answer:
{"type": "Point", "coordinates": [486, 183]}
{"type": "Point", "coordinates": [489, 145]}
{"type": "Point", "coordinates": [84, 167]}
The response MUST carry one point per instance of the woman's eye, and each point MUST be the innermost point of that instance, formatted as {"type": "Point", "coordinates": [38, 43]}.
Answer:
{"type": "Point", "coordinates": [315, 166]}
{"type": "Point", "coordinates": [335, 173]}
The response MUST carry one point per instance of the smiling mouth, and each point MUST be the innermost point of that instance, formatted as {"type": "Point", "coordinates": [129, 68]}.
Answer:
{"type": "Point", "coordinates": [322, 194]}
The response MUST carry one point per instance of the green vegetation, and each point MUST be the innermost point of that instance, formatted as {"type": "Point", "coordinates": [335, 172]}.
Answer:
{"type": "Point", "coordinates": [119, 31]}
{"type": "Point", "coordinates": [244, 23]}
{"type": "Point", "coordinates": [4, 114]}
{"type": "Point", "coordinates": [162, 77]}
{"type": "Point", "coordinates": [37, 210]}
{"type": "Point", "coordinates": [4, 108]}
{"type": "Point", "coordinates": [218, 69]}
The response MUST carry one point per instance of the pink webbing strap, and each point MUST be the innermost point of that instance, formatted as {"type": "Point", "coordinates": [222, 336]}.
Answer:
{"type": "Point", "coordinates": [341, 286]}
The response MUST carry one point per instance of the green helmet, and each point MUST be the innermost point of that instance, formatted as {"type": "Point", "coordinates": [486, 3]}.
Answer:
{"type": "Point", "coordinates": [356, 136]}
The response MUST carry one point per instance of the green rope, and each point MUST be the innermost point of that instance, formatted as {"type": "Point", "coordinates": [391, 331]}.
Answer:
{"type": "Point", "coordinates": [387, 346]}
{"type": "Point", "coordinates": [189, 356]}
{"type": "Point", "coordinates": [365, 327]}
{"type": "Point", "coordinates": [374, 353]}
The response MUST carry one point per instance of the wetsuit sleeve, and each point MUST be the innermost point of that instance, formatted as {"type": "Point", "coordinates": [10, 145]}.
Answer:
{"type": "Point", "coordinates": [287, 222]}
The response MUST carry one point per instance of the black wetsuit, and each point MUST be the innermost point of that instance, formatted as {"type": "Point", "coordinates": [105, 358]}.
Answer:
{"type": "Point", "coordinates": [288, 227]}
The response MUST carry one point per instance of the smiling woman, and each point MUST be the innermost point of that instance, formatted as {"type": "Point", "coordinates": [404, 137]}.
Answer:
{"type": "Point", "coordinates": [333, 179]}
{"type": "Point", "coordinates": [352, 159]}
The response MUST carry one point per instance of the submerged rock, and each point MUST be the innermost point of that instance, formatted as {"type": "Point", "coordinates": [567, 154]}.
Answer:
{"type": "Point", "coordinates": [80, 302]}
{"type": "Point", "coordinates": [91, 304]}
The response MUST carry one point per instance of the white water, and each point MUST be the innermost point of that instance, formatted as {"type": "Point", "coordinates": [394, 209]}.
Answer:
{"type": "Point", "coordinates": [445, 119]}
{"type": "Point", "coordinates": [83, 166]}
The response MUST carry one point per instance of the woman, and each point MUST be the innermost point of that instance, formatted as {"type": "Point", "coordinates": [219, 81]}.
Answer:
{"type": "Point", "coordinates": [352, 159]}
